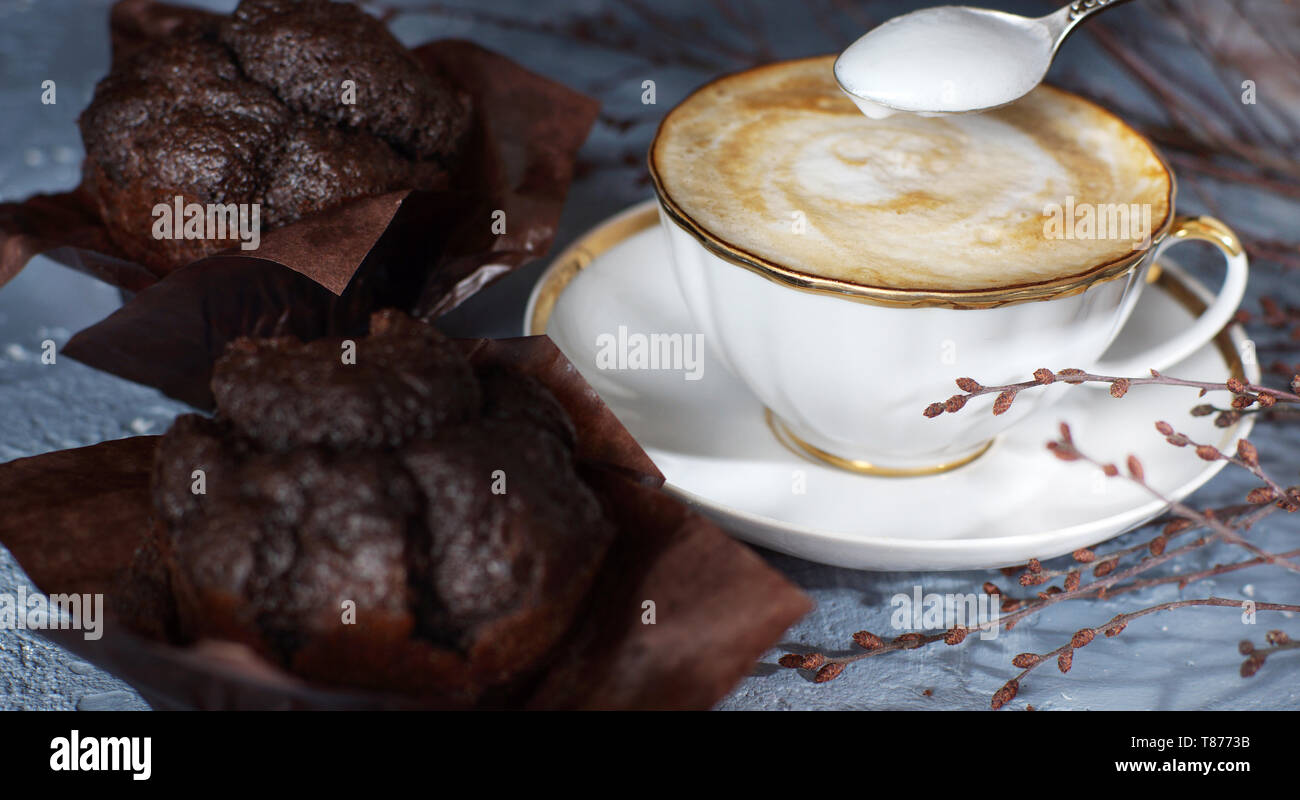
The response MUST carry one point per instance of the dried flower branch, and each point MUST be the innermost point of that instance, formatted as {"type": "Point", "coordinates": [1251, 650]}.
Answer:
{"type": "Point", "coordinates": [1286, 499]}
{"type": "Point", "coordinates": [1244, 394]}
{"type": "Point", "coordinates": [1064, 655]}
{"type": "Point", "coordinates": [1255, 658]}
{"type": "Point", "coordinates": [1110, 575]}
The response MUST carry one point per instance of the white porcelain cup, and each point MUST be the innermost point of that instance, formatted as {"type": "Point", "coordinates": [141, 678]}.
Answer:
{"type": "Point", "coordinates": [847, 371]}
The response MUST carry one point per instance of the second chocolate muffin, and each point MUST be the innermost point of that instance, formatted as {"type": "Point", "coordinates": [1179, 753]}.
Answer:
{"type": "Point", "coordinates": [439, 507]}
{"type": "Point", "coordinates": [250, 109]}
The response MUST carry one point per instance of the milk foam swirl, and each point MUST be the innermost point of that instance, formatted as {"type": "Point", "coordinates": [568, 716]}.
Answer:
{"type": "Point", "coordinates": [778, 163]}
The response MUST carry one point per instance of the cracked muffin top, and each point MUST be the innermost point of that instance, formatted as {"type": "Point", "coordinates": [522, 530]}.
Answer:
{"type": "Point", "coordinates": [437, 502]}
{"type": "Point", "coordinates": [294, 105]}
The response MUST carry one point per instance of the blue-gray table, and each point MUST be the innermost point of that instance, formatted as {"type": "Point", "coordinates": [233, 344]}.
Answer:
{"type": "Point", "coordinates": [1185, 659]}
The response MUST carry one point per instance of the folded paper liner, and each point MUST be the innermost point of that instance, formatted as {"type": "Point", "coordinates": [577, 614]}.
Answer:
{"type": "Point", "coordinates": [421, 251]}
{"type": "Point", "coordinates": [74, 518]}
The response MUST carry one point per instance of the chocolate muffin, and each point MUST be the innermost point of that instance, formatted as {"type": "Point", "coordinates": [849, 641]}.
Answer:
{"type": "Point", "coordinates": [250, 109]}
{"type": "Point", "coordinates": [398, 523]}
{"type": "Point", "coordinates": [302, 50]}
{"type": "Point", "coordinates": [408, 381]}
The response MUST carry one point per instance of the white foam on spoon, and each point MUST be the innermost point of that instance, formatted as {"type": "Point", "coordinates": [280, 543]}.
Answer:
{"type": "Point", "coordinates": [944, 60]}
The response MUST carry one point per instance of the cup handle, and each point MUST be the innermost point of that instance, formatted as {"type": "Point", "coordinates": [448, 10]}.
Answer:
{"type": "Point", "coordinates": [1212, 320]}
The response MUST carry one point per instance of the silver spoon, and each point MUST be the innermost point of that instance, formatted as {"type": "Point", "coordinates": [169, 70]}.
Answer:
{"type": "Point", "coordinates": [955, 59]}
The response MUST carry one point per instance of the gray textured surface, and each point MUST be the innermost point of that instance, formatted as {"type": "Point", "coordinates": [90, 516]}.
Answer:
{"type": "Point", "coordinates": [1183, 659]}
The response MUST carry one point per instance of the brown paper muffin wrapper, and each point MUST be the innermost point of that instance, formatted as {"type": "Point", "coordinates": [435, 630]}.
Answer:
{"type": "Point", "coordinates": [421, 251]}
{"type": "Point", "coordinates": [74, 518]}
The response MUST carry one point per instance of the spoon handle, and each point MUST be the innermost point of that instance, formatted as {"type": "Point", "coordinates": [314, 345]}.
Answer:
{"type": "Point", "coordinates": [1064, 20]}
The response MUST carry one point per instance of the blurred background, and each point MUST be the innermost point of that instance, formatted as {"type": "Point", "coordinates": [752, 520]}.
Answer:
{"type": "Point", "coordinates": [1176, 69]}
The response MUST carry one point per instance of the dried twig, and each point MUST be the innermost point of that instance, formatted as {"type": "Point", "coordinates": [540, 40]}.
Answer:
{"type": "Point", "coordinates": [1245, 394]}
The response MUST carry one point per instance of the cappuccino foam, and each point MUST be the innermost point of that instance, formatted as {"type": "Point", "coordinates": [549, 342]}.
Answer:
{"type": "Point", "coordinates": [778, 163]}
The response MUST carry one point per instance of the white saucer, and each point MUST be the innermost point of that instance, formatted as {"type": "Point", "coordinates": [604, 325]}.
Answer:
{"type": "Point", "coordinates": [1016, 502]}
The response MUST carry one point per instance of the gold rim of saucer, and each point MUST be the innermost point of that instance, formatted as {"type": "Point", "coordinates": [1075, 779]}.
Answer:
{"type": "Point", "coordinates": [814, 453]}
{"type": "Point", "coordinates": [909, 298]}
{"type": "Point", "coordinates": [577, 256]}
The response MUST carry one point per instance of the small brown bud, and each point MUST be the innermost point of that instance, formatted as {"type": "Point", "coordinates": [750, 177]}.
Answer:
{"type": "Point", "coordinates": [1157, 545]}
{"type": "Point", "coordinates": [1291, 501]}
{"type": "Point", "coordinates": [1044, 375]}
{"type": "Point", "coordinates": [954, 404]}
{"type": "Point", "coordinates": [1063, 450]}
{"type": "Point", "coordinates": [1116, 629]}
{"type": "Point", "coordinates": [1105, 568]}
{"type": "Point", "coordinates": [1010, 604]}
{"type": "Point", "coordinates": [956, 635]}
{"type": "Point", "coordinates": [1006, 694]}
{"type": "Point", "coordinates": [1065, 433]}
{"type": "Point", "coordinates": [968, 385]}
{"type": "Point", "coordinates": [1135, 468]}
{"type": "Point", "coordinates": [1242, 401]}
{"type": "Point", "coordinates": [933, 410]}
{"type": "Point", "coordinates": [1025, 660]}
{"type": "Point", "coordinates": [867, 640]}
{"type": "Point", "coordinates": [1203, 410]}
{"type": "Point", "coordinates": [1003, 402]}
{"type": "Point", "coordinates": [1030, 579]}
{"type": "Point", "coordinates": [1266, 400]}
{"type": "Point", "coordinates": [1084, 556]}
{"type": "Point", "coordinates": [1247, 452]}
{"type": "Point", "coordinates": [1165, 428]}
{"type": "Point", "coordinates": [1251, 665]}
{"type": "Point", "coordinates": [1034, 565]}
{"type": "Point", "coordinates": [1178, 440]}
{"type": "Point", "coordinates": [1065, 660]}
{"type": "Point", "coordinates": [991, 588]}
{"type": "Point", "coordinates": [1261, 495]}
{"type": "Point", "coordinates": [1110, 470]}
{"type": "Point", "coordinates": [802, 661]}
{"type": "Point", "coordinates": [1208, 452]}
{"type": "Point", "coordinates": [1065, 374]}
{"type": "Point", "coordinates": [1072, 581]}
{"type": "Point", "coordinates": [1245, 647]}
{"type": "Point", "coordinates": [1119, 388]}
{"type": "Point", "coordinates": [1082, 637]}
{"type": "Point", "coordinates": [1237, 385]}
{"type": "Point", "coordinates": [1227, 419]}
{"type": "Point", "coordinates": [1174, 526]}
{"type": "Point", "coordinates": [1277, 637]}
{"type": "Point", "coordinates": [828, 673]}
